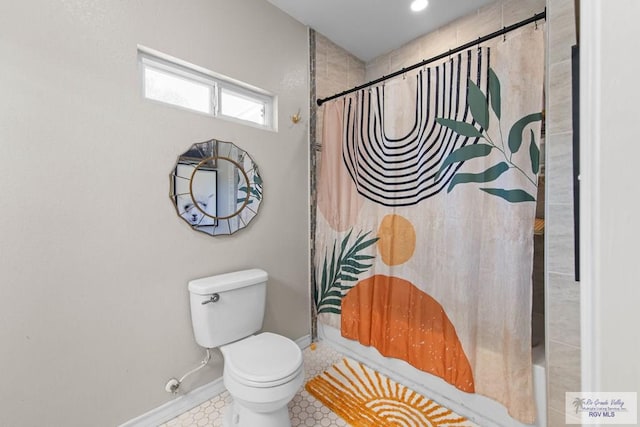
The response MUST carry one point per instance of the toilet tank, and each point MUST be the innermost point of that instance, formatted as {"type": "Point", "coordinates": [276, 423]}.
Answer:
{"type": "Point", "coordinates": [236, 312]}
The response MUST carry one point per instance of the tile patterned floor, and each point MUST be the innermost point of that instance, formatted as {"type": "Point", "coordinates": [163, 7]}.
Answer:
{"type": "Point", "coordinates": [304, 409]}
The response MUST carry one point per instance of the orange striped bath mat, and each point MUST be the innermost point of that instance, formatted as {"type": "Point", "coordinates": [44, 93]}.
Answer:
{"type": "Point", "coordinates": [366, 398]}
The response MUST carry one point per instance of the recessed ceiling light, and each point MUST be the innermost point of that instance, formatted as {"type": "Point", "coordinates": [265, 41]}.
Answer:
{"type": "Point", "coordinates": [418, 5]}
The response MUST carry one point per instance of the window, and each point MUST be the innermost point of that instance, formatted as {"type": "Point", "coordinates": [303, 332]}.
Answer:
{"type": "Point", "coordinates": [174, 82]}
{"type": "Point", "coordinates": [170, 88]}
{"type": "Point", "coordinates": [243, 105]}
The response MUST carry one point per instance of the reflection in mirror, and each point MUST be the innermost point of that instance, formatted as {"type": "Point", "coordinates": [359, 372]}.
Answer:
{"type": "Point", "coordinates": [216, 187]}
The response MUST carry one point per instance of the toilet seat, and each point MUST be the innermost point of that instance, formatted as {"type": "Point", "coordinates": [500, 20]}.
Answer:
{"type": "Point", "coordinates": [263, 360]}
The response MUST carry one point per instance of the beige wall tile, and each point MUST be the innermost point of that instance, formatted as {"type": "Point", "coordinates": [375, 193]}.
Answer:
{"type": "Point", "coordinates": [485, 21]}
{"type": "Point", "coordinates": [516, 10]}
{"type": "Point", "coordinates": [563, 293]}
{"type": "Point", "coordinates": [379, 67]}
{"type": "Point", "coordinates": [557, 419]}
{"type": "Point", "coordinates": [335, 52]}
{"type": "Point", "coordinates": [563, 363]}
{"type": "Point", "coordinates": [336, 71]}
{"type": "Point", "coordinates": [355, 72]}
{"type": "Point", "coordinates": [559, 174]}
{"type": "Point", "coordinates": [562, 30]}
{"type": "Point", "coordinates": [559, 112]}
{"type": "Point", "coordinates": [321, 42]}
{"type": "Point", "coordinates": [439, 41]}
{"type": "Point", "coordinates": [321, 56]}
{"type": "Point", "coordinates": [559, 236]}
{"type": "Point", "coordinates": [563, 309]}
{"type": "Point", "coordinates": [406, 56]}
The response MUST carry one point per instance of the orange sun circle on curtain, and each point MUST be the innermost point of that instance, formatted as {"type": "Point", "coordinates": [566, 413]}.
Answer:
{"type": "Point", "coordinates": [397, 239]}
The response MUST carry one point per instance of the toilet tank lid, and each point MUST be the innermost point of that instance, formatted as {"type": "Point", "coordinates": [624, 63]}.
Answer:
{"type": "Point", "coordinates": [227, 281]}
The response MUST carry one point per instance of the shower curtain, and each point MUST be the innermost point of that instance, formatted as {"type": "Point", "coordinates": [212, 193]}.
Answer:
{"type": "Point", "coordinates": [425, 214]}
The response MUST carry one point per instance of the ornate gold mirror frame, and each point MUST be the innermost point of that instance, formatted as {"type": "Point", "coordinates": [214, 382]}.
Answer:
{"type": "Point", "coordinates": [216, 187]}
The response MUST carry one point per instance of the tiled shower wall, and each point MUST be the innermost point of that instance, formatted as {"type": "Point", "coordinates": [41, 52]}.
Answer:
{"type": "Point", "coordinates": [333, 70]}
{"type": "Point", "coordinates": [563, 293]}
{"type": "Point", "coordinates": [337, 70]}
{"type": "Point", "coordinates": [480, 23]}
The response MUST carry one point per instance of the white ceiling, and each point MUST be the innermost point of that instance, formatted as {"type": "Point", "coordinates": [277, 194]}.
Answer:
{"type": "Point", "coordinates": [369, 28]}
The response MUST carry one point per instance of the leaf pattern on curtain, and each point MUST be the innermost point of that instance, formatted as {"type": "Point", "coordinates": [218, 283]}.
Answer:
{"type": "Point", "coordinates": [479, 107]}
{"type": "Point", "coordinates": [340, 273]}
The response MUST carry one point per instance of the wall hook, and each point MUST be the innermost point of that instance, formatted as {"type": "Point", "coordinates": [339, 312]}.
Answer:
{"type": "Point", "coordinates": [295, 119]}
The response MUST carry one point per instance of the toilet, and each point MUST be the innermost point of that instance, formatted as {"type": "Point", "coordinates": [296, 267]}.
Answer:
{"type": "Point", "coordinates": [262, 372]}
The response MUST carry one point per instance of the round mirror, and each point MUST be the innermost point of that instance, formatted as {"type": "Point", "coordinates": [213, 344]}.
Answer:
{"type": "Point", "coordinates": [216, 187]}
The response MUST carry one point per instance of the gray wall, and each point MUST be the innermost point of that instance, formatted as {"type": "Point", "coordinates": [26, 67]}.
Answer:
{"type": "Point", "coordinates": [94, 262]}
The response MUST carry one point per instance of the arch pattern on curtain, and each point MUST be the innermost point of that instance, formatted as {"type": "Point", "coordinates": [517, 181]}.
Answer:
{"type": "Point", "coordinates": [401, 170]}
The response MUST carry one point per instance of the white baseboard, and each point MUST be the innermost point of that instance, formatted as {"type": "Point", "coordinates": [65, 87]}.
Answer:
{"type": "Point", "coordinates": [304, 342]}
{"type": "Point", "coordinates": [188, 401]}
{"type": "Point", "coordinates": [177, 406]}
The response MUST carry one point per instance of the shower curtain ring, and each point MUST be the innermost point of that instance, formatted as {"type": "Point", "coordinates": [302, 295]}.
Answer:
{"type": "Point", "coordinates": [504, 35]}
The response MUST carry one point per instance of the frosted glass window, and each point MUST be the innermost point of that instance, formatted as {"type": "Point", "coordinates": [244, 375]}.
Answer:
{"type": "Point", "coordinates": [242, 107]}
{"type": "Point", "coordinates": [175, 82]}
{"type": "Point", "coordinates": [177, 90]}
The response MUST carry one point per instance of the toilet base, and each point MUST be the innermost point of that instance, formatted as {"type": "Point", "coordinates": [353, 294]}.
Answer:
{"type": "Point", "coordinates": [238, 416]}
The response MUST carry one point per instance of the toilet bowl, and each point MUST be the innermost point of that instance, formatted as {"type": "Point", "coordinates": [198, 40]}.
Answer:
{"type": "Point", "coordinates": [262, 372]}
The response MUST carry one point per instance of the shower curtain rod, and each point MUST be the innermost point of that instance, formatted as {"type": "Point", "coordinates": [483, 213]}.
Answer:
{"type": "Point", "coordinates": [504, 30]}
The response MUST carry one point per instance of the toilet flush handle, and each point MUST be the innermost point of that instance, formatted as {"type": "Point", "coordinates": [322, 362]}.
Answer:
{"type": "Point", "coordinates": [213, 298]}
